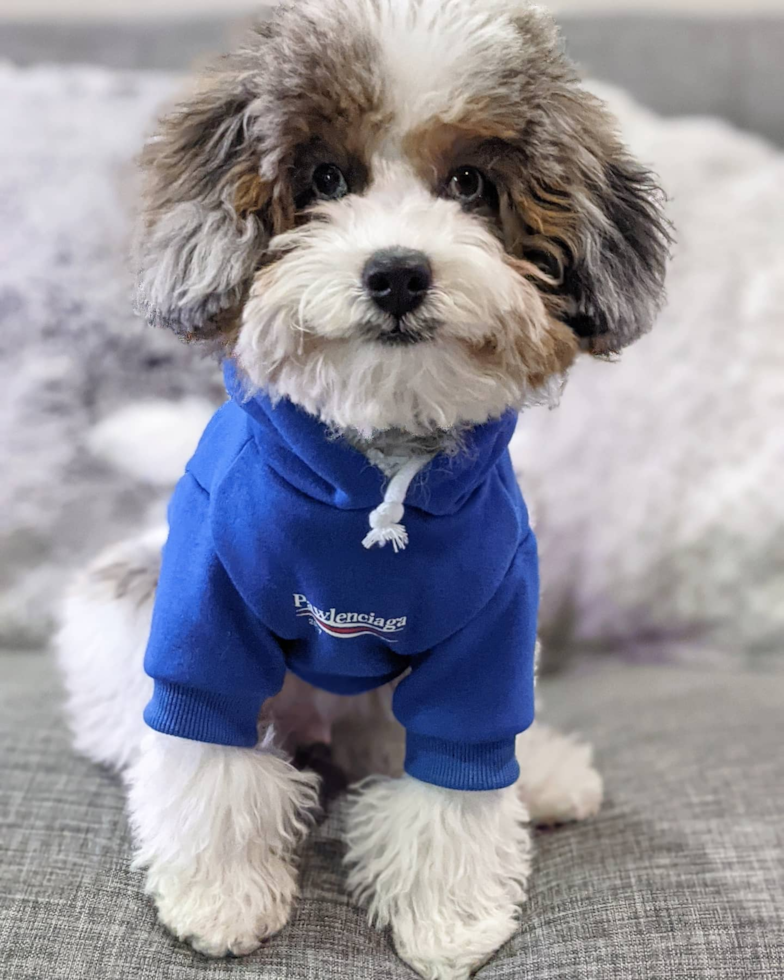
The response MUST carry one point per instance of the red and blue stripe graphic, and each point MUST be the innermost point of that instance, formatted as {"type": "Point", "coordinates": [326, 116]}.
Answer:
{"type": "Point", "coordinates": [349, 630]}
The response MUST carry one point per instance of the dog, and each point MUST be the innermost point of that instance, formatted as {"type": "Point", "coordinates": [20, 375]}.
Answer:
{"type": "Point", "coordinates": [399, 221]}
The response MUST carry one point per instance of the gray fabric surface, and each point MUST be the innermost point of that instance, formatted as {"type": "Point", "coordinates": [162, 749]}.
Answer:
{"type": "Point", "coordinates": [728, 67]}
{"type": "Point", "coordinates": [681, 877]}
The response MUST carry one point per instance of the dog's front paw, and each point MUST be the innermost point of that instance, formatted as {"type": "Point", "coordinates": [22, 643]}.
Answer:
{"type": "Point", "coordinates": [447, 870]}
{"type": "Point", "coordinates": [448, 943]}
{"type": "Point", "coordinates": [558, 781]}
{"type": "Point", "coordinates": [228, 913]}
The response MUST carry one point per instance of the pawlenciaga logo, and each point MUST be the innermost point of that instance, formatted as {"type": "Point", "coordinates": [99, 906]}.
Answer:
{"type": "Point", "coordinates": [345, 626]}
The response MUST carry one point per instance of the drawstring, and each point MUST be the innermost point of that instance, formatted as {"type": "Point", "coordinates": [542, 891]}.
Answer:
{"type": "Point", "coordinates": [385, 519]}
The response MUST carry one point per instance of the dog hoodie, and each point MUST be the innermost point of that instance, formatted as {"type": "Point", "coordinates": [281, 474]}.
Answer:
{"type": "Point", "coordinates": [280, 558]}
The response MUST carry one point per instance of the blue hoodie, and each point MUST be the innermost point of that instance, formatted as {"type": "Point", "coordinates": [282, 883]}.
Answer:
{"type": "Point", "coordinates": [264, 571]}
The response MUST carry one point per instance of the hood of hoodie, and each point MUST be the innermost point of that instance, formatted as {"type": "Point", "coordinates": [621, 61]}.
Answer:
{"type": "Point", "coordinates": [306, 454]}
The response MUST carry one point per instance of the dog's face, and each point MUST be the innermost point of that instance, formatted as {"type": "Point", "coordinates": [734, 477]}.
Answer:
{"type": "Point", "coordinates": [400, 213]}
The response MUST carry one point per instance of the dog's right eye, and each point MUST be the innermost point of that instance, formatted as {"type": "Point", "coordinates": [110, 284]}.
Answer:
{"type": "Point", "coordinates": [329, 182]}
{"type": "Point", "coordinates": [466, 184]}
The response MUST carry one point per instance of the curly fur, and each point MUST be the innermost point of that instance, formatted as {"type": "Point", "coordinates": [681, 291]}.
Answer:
{"type": "Point", "coordinates": [100, 646]}
{"type": "Point", "coordinates": [446, 870]}
{"type": "Point", "coordinates": [216, 829]}
{"type": "Point", "coordinates": [230, 246]}
{"type": "Point", "coordinates": [304, 321]}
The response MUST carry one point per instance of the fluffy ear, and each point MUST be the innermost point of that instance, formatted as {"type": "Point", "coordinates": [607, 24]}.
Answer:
{"type": "Point", "coordinates": [614, 277]}
{"type": "Point", "coordinates": [207, 214]}
{"type": "Point", "coordinates": [593, 220]}
{"type": "Point", "coordinates": [583, 209]}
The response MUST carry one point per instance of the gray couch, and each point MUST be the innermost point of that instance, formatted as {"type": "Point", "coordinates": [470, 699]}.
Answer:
{"type": "Point", "coordinates": [681, 877]}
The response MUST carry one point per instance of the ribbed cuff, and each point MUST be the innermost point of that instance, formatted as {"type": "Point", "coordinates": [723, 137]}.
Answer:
{"type": "Point", "coordinates": [461, 765]}
{"type": "Point", "coordinates": [203, 717]}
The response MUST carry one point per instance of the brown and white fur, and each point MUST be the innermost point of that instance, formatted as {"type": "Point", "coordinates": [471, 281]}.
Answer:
{"type": "Point", "coordinates": [562, 250]}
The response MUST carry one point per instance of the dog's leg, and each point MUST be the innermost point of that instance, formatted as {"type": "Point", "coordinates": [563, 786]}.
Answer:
{"type": "Point", "coordinates": [558, 782]}
{"type": "Point", "coordinates": [100, 648]}
{"type": "Point", "coordinates": [216, 829]}
{"type": "Point", "coordinates": [446, 870]}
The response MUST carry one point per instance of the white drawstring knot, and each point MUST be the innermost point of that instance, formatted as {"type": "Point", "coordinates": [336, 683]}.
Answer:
{"type": "Point", "coordinates": [385, 519]}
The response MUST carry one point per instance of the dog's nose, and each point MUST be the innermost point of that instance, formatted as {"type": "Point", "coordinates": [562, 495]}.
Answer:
{"type": "Point", "coordinates": [397, 279]}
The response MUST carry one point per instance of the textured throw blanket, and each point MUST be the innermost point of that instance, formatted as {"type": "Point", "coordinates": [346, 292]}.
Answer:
{"type": "Point", "coordinates": [657, 486]}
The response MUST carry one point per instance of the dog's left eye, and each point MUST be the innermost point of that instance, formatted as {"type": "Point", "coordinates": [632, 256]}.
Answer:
{"type": "Point", "coordinates": [466, 184]}
{"type": "Point", "coordinates": [329, 182]}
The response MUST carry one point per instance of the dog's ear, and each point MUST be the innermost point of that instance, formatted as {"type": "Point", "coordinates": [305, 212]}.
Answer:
{"type": "Point", "coordinates": [207, 213]}
{"type": "Point", "coordinates": [594, 223]}
{"type": "Point", "coordinates": [595, 220]}
{"type": "Point", "coordinates": [614, 277]}
{"type": "Point", "coordinates": [584, 209]}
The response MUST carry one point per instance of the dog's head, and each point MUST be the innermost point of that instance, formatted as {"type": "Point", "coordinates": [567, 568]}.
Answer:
{"type": "Point", "coordinates": [400, 213]}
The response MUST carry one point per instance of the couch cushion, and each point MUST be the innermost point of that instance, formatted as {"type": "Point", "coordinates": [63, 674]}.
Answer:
{"type": "Point", "coordinates": [681, 876]}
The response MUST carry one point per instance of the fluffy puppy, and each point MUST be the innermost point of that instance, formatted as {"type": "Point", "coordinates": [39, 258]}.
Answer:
{"type": "Point", "coordinates": [401, 221]}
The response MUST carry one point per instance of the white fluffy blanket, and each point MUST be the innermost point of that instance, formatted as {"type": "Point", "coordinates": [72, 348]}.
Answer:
{"type": "Point", "coordinates": [658, 484]}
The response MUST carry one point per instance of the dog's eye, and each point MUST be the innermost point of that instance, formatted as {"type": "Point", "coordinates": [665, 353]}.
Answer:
{"type": "Point", "coordinates": [466, 184]}
{"type": "Point", "coordinates": [329, 182]}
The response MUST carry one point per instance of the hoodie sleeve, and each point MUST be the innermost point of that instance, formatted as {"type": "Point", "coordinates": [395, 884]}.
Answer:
{"type": "Point", "coordinates": [213, 662]}
{"type": "Point", "coordinates": [465, 701]}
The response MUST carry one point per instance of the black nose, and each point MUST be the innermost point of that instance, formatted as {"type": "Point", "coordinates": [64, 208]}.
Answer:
{"type": "Point", "coordinates": [397, 279]}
